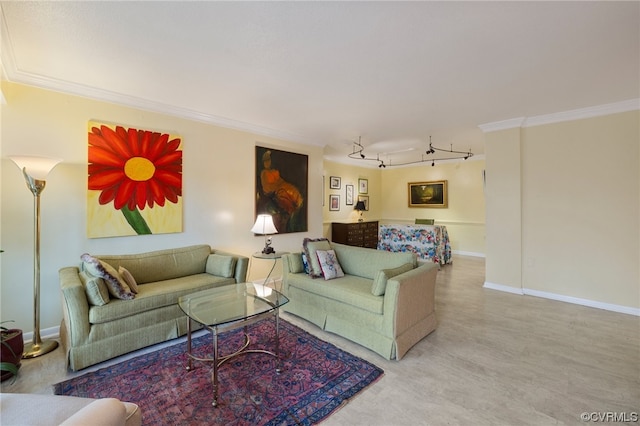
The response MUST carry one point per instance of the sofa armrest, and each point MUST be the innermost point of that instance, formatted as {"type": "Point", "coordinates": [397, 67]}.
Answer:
{"type": "Point", "coordinates": [410, 297]}
{"type": "Point", "coordinates": [242, 265]}
{"type": "Point", "coordinates": [75, 307]}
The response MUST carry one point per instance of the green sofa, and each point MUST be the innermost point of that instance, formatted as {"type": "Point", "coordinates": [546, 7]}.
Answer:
{"type": "Point", "coordinates": [93, 333]}
{"type": "Point", "coordinates": [389, 322]}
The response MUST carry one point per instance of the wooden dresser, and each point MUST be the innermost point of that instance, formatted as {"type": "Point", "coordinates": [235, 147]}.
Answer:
{"type": "Point", "coordinates": [359, 234]}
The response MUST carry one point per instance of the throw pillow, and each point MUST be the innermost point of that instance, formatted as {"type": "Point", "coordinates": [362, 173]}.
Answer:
{"type": "Point", "coordinates": [116, 285]}
{"type": "Point", "coordinates": [221, 265]}
{"type": "Point", "coordinates": [128, 278]}
{"type": "Point", "coordinates": [95, 288]}
{"type": "Point", "coordinates": [329, 263]}
{"type": "Point", "coordinates": [310, 247]}
{"type": "Point", "coordinates": [295, 264]}
{"type": "Point", "coordinates": [379, 285]}
{"type": "Point", "coordinates": [305, 263]}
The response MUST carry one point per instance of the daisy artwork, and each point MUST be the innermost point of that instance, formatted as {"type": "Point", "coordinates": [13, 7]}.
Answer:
{"type": "Point", "coordinates": [134, 182]}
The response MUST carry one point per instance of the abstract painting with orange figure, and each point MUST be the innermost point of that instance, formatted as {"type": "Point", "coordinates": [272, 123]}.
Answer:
{"type": "Point", "coordinates": [281, 188]}
{"type": "Point", "coordinates": [134, 181]}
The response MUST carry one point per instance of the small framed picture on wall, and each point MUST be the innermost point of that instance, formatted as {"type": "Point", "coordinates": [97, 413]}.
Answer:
{"type": "Point", "coordinates": [334, 182]}
{"type": "Point", "coordinates": [365, 200]}
{"type": "Point", "coordinates": [349, 195]}
{"type": "Point", "coordinates": [334, 202]}
{"type": "Point", "coordinates": [363, 186]}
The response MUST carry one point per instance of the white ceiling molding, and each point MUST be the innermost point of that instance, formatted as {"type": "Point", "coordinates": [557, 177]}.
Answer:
{"type": "Point", "coordinates": [576, 114]}
{"type": "Point", "coordinates": [502, 125]}
{"type": "Point", "coordinates": [151, 106]}
{"type": "Point", "coordinates": [582, 113]}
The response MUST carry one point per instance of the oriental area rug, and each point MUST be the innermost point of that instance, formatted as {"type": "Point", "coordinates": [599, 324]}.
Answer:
{"type": "Point", "coordinates": [317, 379]}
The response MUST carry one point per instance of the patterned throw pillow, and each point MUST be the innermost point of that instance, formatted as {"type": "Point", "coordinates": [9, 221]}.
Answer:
{"type": "Point", "coordinates": [115, 283]}
{"type": "Point", "coordinates": [310, 246]}
{"type": "Point", "coordinates": [329, 263]}
{"type": "Point", "coordinates": [305, 263]}
{"type": "Point", "coordinates": [128, 278]}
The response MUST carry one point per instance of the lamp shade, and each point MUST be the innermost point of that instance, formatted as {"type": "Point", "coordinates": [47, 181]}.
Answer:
{"type": "Point", "coordinates": [360, 206]}
{"type": "Point", "coordinates": [36, 167]}
{"type": "Point", "coordinates": [264, 225]}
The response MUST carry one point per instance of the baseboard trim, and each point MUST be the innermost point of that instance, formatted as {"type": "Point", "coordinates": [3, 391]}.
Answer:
{"type": "Point", "coordinates": [46, 334]}
{"type": "Point", "coordinates": [468, 253]}
{"type": "Point", "coordinates": [562, 298]}
{"type": "Point", "coordinates": [505, 288]}
{"type": "Point", "coordinates": [584, 302]}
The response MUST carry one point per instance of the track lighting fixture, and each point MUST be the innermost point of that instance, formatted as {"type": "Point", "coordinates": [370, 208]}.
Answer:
{"type": "Point", "coordinates": [358, 154]}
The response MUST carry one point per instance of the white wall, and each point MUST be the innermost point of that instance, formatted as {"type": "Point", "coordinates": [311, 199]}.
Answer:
{"type": "Point", "coordinates": [218, 193]}
{"type": "Point", "coordinates": [570, 192]}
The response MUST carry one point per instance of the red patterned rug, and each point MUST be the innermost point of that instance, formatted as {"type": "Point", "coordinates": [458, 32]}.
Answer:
{"type": "Point", "coordinates": [317, 379]}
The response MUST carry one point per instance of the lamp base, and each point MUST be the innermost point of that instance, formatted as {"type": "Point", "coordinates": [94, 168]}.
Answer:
{"type": "Point", "coordinates": [268, 250]}
{"type": "Point", "coordinates": [34, 350]}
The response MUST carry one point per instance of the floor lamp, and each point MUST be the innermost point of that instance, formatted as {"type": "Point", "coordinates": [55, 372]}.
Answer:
{"type": "Point", "coordinates": [35, 171]}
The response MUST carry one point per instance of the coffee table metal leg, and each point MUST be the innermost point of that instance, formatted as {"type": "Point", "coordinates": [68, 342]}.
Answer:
{"type": "Point", "coordinates": [214, 374]}
{"type": "Point", "coordinates": [278, 360]}
{"type": "Point", "coordinates": [189, 358]}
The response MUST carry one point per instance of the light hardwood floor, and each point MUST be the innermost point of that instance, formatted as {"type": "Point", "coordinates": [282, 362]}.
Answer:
{"type": "Point", "coordinates": [495, 359]}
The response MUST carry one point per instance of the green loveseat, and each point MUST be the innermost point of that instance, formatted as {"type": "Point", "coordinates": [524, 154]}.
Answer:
{"type": "Point", "coordinates": [385, 301]}
{"type": "Point", "coordinates": [93, 333]}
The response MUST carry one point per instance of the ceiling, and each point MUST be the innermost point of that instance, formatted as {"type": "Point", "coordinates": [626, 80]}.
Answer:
{"type": "Point", "coordinates": [327, 73]}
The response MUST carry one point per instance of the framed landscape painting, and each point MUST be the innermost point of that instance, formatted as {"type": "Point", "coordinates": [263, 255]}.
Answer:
{"type": "Point", "coordinates": [428, 194]}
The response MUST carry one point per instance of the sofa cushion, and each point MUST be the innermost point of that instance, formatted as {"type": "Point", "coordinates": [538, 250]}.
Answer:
{"type": "Point", "coordinates": [162, 264]}
{"type": "Point", "coordinates": [380, 281]}
{"type": "Point", "coordinates": [350, 290]}
{"type": "Point", "coordinates": [155, 295]}
{"type": "Point", "coordinates": [95, 288]}
{"type": "Point", "coordinates": [128, 278]}
{"type": "Point", "coordinates": [366, 263]}
{"type": "Point", "coordinates": [221, 265]}
{"type": "Point", "coordinates": [310, 247]}
{"type": "Point", "coordinates": [329, 263]}
{"type": "Point", "coordinates": [115, 283]}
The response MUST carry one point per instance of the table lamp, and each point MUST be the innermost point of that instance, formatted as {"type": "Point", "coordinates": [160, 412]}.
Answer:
{"type": "Point", "coordinates": [264, 226]}
{"type": "Point", "coordinates": [360, 207]}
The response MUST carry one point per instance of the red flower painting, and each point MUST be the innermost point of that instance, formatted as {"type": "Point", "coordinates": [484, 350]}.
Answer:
{"type": "Point", "coordinates": [134, 169]}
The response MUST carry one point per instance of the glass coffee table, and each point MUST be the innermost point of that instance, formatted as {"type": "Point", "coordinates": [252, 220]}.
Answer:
{"type": "Point", "coordinates": [228, 307]}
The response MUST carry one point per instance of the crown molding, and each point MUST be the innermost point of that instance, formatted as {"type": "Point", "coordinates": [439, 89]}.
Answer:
{"type": "Point", "coordinates": [502, 125]}
{"type": "Point", "coordinates": [582, 113]}
{"type": "Point", "coordinates": [152, 106]}
{"type": "Point", "coordinates": [576, 114]}
{"type": "Point", "coordinates": [11, 73]}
